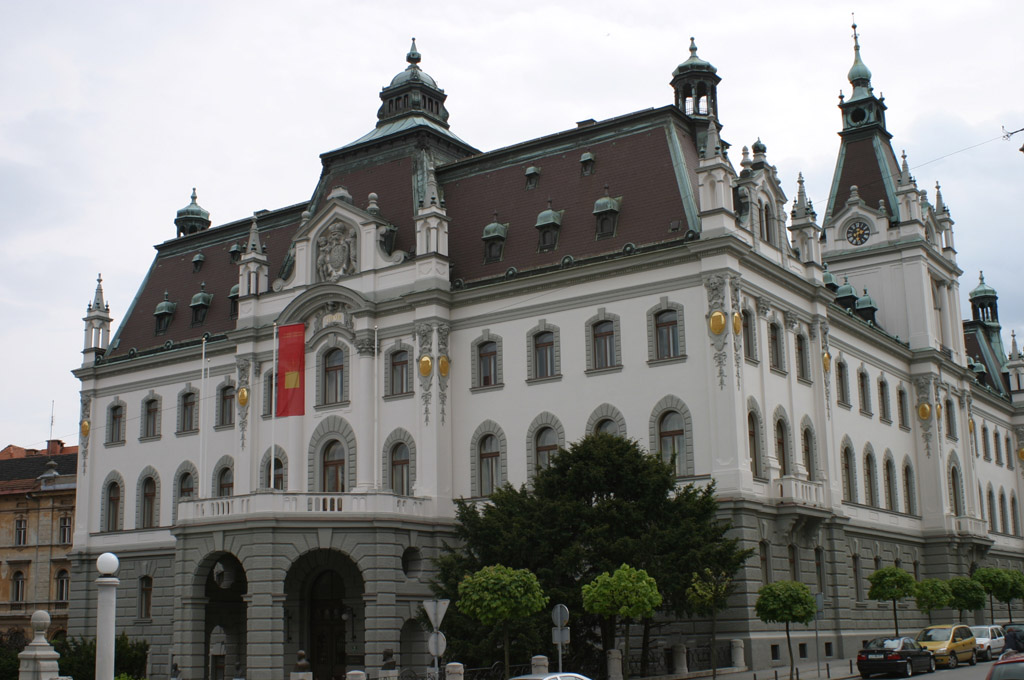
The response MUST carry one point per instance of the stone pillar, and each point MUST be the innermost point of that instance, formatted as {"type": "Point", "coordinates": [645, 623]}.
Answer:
{"type": "Point", "coordinates": [189, 637]}
{"type": "Point", "coordinates": [264, 638]}
{"type": "Point", "coordinates": [39, 660]}
{"type": "Point", "coordinates": [679, 659]}
{"type": "Point", "coordinates": [355, 675]}
{"type": "Point", "coordinates": [106, 613]}
{"type": "Point", "coordinates": [539, 664]}
{"type": "Point", "coordinates": [737, 654]}
{"type": "Point", "coordinates": [454, 671]}
{"type": "Point", "coordinates": [614, 659]}
{"type": "Point", "coordinates": [368, 463]}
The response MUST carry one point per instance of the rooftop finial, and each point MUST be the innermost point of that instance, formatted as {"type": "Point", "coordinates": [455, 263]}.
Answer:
{"type": "Point", "coordinates": [693, 47]}
{"type": "Point", "coordinates": [414, 56]}
{"type": "Point", "coordinates": [194, 195]}
{"type": "Point", "coordinates": [856, 44]}
{"type": "Point", "coordinates": [859, 75]}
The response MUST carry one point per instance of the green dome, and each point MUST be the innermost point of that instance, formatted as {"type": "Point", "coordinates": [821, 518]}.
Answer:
{"type": "Point", "coordinates": [866, 302]}
{"type": "Point", "coordinates": [606, 204]}
{"type": "Point", "coordinates": [549, 218]}
{"type": "Point", "coordinates": [829, 279]}
{"type": "Point", "coordinates": [202, 298]}
{"type": "Point", "coordinates": [495, 230]}
{"type": "Point", "coordinates": [982, 289]}
{"type": "Point", "coordinates": [846, 290]}
{"type": "Point", "coordinates": [758, 147]}
{"type": "Point", "coordinates": [192, 217]}
{"type": "Point", "coordinates": [165, 307]}
{"type": "Point", "coordinates": [413, 73]}
{"type": "Point", "coordinates": [694, 63]}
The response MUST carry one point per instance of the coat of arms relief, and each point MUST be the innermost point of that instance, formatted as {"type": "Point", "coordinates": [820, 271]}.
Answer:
{"type": "Point", "coordinates": [336, 254]}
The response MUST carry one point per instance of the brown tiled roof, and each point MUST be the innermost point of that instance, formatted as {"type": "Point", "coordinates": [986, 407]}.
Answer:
{"type": "Point", "coordinates": [869, 171]}
{"type": "Point", "coordinates": [392, 182]}
{"type": "Point", "coordinates": [21, 473]}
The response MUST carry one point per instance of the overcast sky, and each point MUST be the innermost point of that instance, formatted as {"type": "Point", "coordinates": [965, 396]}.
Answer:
{"type": "Point", "coordinates": [110, 112]}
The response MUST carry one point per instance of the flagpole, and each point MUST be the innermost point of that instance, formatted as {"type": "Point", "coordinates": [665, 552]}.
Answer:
{"type": "Point", "coordinates": [273, 413]}
{"type": "Point", "coordinates": [199, 417]}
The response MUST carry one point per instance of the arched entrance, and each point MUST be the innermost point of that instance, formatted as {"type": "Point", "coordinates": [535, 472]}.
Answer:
{"type": "Point", "coordinates": [324, 613]}
{"type": "Point", "coordinates": [225, 617]}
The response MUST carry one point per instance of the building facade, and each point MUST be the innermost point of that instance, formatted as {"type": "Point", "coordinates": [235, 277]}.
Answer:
{"type": "Point", "coordinates": [459, 315]}
{"type": "Point", "coordinates": [37, 517]}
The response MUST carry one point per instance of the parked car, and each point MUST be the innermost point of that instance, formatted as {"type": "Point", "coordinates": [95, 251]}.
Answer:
{"type": "Point", "coordinates": [990, 641]}
{"type": "Point", "coordinates": [951, 643]}
{"type": "Point", "coordinates": [551, 676]}
{"type": "Point", "coordinates": [1007, 669]}
{"type": "Point", "coordinates": [900, 655]}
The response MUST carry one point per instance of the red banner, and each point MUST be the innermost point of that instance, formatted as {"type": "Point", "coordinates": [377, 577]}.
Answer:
{"type": "Point", "coordinates": [291, 365]}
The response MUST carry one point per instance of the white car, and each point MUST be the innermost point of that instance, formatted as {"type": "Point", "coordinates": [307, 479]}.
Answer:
{"type": "Point", "coordinates": [989, 640]}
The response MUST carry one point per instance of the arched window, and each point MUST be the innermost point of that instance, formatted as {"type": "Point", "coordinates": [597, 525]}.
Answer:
{"type": "Point", "coordinates": [864, 387]}
{"type": "Point", "coordinates": [749, 346]}
{"type": "Point", "coordinates": [902, 410]}
{"type": "Point", "coordinates": [672, 439]}
{"type": "Point", "coordinates": [842, 384]}
{"type": "Point", "coordinates": [151, 418]}
{"type": "Point", "coordinates": [487, 359]}
{"type": "Point", "coordinates": [489, 462]}
{"type": "Point", "coordinates": [606, 426]}
{"type": "Point", "coordinates": [884, 410]}
{"type": "Point", "coordinates": [890, 484]}
{"type": "Point", "coordinates": [334, 467]}
{"type": "Point", "coordinates": [858, 587]}
{"type": "Point", "coordinates": [819, 568]}
{"type": "Point", "coordinates": [956, 497]}
{"type": "Point", "coordinates": [225, 482]}
{"type": "Point", "coordinates": [998, 447]}
{"type": "Point", "coordinates": [991, 498]}
{"type": "Point", "coordinates": [113, 507]}
{"type": "Point", "coordinates": [667, 334]}
{"type": "Point", "coordinates": [604, 344]}
{"type": "Point", "coordinates": [186, 486]}
{"type": "Point", "coordinates": [400, 469]}
{"type": "Point", "coordinates": [546, 446]}
{"type": "Point", "coordinates": [849, 491]}
{"type": "Point", "coordinates": [274, 473]}
{"type": "Point", "coordinates": [63, 588]}
{"type": "Point", "coordinates": [754, 443]}
{"type": "Point", "coordinates": [909, 502]}
{"type": "Point", "coordinates": [794, 562]}
{"type": "Point", "coordinates": [807, 444]}
{"type": "Point", "coordinates": [148, 503]}
{"type": "Point", "coordinates": [950, 419]}
{"type": "Point", "coordinates": [1014, 514]}
{"type": "Point", "coordinates": [334, 376]}
{"type": "Point", "coordinates": [870, 481]}
{"type": "Point", "coordinates": [765, 555]}
{"type": "Point", "coordinates": [1004, 524]}
{"type": "Point", "coordinates": [780, 447]}
{"type": "Point", "coordinates": [984, 444]}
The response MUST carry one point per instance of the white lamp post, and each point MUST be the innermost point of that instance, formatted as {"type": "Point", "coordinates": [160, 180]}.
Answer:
{"type": "Point", "coordinates": [106, 605]}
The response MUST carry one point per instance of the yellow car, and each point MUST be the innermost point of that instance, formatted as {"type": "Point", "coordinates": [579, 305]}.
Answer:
{"type": "Point", "coordinates": [951, 643]}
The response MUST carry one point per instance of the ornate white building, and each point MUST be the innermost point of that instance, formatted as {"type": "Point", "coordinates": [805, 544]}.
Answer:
{"type": "Point", "coordinates": [466, 313]}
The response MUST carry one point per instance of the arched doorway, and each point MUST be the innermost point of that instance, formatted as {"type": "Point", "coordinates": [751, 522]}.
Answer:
{"type": "Point", "coordinates": [225, 626]}
{"type": "Point", "coordinates": [329, 624]}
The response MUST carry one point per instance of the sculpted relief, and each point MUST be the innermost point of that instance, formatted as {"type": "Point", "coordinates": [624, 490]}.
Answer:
{"type": "Point", "coordinates": [336, 254]}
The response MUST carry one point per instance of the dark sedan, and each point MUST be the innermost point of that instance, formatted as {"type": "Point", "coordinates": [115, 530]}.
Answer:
{"type": "Point", "coordinates": [900, 655]}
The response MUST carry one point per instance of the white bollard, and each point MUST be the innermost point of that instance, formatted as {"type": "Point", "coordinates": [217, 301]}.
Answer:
{"type": "Point", "coordinates": [106, 609]}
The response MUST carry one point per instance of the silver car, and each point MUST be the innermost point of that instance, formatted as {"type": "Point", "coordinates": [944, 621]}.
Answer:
{"type": "Point", "coordinates": [989, 640]}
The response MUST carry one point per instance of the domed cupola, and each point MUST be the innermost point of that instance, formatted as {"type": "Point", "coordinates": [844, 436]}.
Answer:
{"type": "Point", "coordinates": [829, 279]}
{"type": "Point", "coordinates": [846, 294]}
{"type": "Point", "coordinates": [866, 307]}
{"type": "Point", "coordinates": [984, 301]}
{"type": "Point", "coordinates": [696, 82]}
{"type": "Point", "coordinates": [192, 218]}
{"type": "Point", "coordinates": [862, 109]}
{"type": "Point", "coordinates": [413, 93]}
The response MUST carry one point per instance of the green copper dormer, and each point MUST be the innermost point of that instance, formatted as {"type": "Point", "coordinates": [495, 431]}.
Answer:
{"type": "Point", "coordinates": [164, 312]}
{"type": "Point", "coordinates": [846, 294]}
{"type": "Point", "coordinates": [494, 237]}
{"type": "Point", "coordinates": [695, 82]}
{"type": "Point", "coordinates": [829, 279]}
{"type": "Point", "coordinates": [866, 307]}
{"type": "Point", "coordinates": [192, 218]}
{"type": "Point", "coordinates": [200, 305]}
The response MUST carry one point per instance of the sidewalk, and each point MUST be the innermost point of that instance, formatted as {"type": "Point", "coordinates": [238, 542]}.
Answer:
{"type": "Point", "coordinates": [831, 669]}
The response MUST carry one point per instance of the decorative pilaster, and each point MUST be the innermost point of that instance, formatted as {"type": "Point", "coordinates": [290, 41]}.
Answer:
{"type": "Point", "coordinates": [425, 365]}
{"type": "Point", "coordinates": [243, 395]}
{"type": "Point", "coordinates": [84, 430]}
{"type": "Point", "coordinates": [716, 321]}
{"type": "Point", "coordinates": [443, 366]}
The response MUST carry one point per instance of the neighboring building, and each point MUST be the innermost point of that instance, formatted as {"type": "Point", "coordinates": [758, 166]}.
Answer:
{"type": "Point", "coordinates": [37, 517]}
{"type": "Point", "coordinates": [464, 314]}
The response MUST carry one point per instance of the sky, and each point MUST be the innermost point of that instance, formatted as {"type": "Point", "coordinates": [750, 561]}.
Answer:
{"type": "Point", "coordinates": [110, 112]}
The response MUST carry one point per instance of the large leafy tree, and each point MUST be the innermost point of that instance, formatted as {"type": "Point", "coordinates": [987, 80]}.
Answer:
{"type": "Point", "coordinates": [626, 594]}
{"type": "Point", "coordinates": [707, 595]}
{"type": "Point", "coordinates": [786, 602]}
{"type": "Point", "coordinates": [891, 584]}
{"type": "Point", "coordinates": [602, 502]}
{"type": "Point", "coordinates": [965, 594]}
{"type": "Point", "coordinates": [931, 594]}
{"type": "Point", "coordinates": [497, 596]}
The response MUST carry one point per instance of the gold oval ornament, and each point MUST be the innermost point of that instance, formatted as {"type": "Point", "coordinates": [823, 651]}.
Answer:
{"type": "Point", "coordinates": [243, 396]}
{"type": "Point", "coordinates": [737, 323]}
{"type": "Point", "coordinates": [425, 365]}
{"type": "Point", "coordinates": [970, 425]}
{"type": "Point", "coordinates": [938, 410]}
{"type": "Point", "coordinates": [84, 427]}
{"type": "Point", "coordinates": [717, 322]}
{"type": "Point", "coordinates": [924, 411]}
{"type": "Point", "coordinates": [826, 361]}
{"type": "Point", "coordinates": [1020, 453]}
{"type": "Point", "coordinates": [443, 366]}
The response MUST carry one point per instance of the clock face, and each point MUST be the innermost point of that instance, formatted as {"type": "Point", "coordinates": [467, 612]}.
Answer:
{"type": "Point", "coordinates": [858, 233]}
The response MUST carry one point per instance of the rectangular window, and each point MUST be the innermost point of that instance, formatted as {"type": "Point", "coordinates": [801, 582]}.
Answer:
{"type": "Point", "coordinates": [883, 402]}
{"type": "Point", "coordinates": [65, 529]}
{"type": "Point", "coordinates": [901, 407]}
{"type": "Point", "coordinates": [227, 407]}
{"type": "Point", "coordinates": [604, 345]}
{"type": "Point", "coordinates": [667, 338]}
{"type": "Point", "coordinates": [116, 433]}
{"type": "Point", "coordinates": [151, 416]}
{"type": "Point", "coordinates": [544, 354]}
{"type": "Point", "coordinates": [145, 597]}
{"type": "Point", "coordinates": [775, 346]}
{"type": "Point", "coordinates": [189, 422]}
{"type": "Point", "coordinates": [488, 364]}
{"type": "Point", "coordinates": [20, 531]}
{"type": "Point", "coordinates": [399, 373]}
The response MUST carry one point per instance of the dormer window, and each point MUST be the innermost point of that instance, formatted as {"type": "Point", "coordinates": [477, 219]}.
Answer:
{"type": "Point", "coordinates": [548, 224]}
{"type": "Point", "coordinates": [587, 164]}
{"type": "Point", "coordinates": [532, 177]}
{"type": "Point", "coordinates": [606, 210]}
{"type": "Point", "coordinates": [197, 262]}
{"type": "Point", "coordinates": [164, 313]}
{"type": "Point", "coordinates": [233, 301]}
{"type": "Point", "coordinates": [235, 251]}
{"type": "Point", "coordinates": [494, 240]}
{"type": "Point", "coordinates": [200, 305]}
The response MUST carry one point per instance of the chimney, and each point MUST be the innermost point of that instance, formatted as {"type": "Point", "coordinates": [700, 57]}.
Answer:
{"type": "Point", "coordinates": [54, 447]}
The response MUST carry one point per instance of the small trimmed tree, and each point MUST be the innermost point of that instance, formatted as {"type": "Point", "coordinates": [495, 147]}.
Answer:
{"type": "Point", "coordinates": [1011, 588]}
{"type": "Point", "coordinates": [626, 594]}
{"type": "Point", "coordinates": [992, 580]}
{"type": "Point", "coordinates": [965, 594]}
{"type": "Point", "coordinates": [707, 595]}
{"type": "Point", "coordinates": [891, 583]}
{"type": "Point", "coordinates": [786, 602]}
{"type": "Point", "coordinates": [498, 595]}
{"type": "Point", "coordinates": [931, 594]}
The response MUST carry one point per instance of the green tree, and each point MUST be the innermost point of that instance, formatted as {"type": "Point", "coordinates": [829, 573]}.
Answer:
{"type": "Point", "coordinates": [992, 580]}
{"type": "Point", "coordinates": [601, 503]}
{"type": "Point", "coordinates": [786, 602]}
{"type": "Point", "coordinates": [626, 594]}
{"type": "Point", "coordinates": [1009, 589]}
{"type": "Point", "coordinates": [707, 595]}
{"type": "Point", "coordinates": [965, 594]}
{"type": "Point", "coordinates": [931, 594]}
{"type": "Point", "coordinates": [78, 657]}
{"type": "Point", "coordinates": [891, 583]}
{"type": "Point", "coordinates": [497, 595]}
{"type": "Point", "coordinates": [12, 643]}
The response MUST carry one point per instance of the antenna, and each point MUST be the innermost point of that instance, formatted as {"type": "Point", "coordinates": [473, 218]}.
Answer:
{"type": "Point", "coordinates": [52, 401]}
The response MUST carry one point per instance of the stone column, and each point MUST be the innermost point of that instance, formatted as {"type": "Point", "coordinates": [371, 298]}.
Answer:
{"type": "Point", "coordinates": [189, 640]}
{"type": "Point", "coordinates": [614, 659]}
{"type": "Point", "coordinates": [737, 654]}
{"type": "Point", "coordinates": [106, 613]}
{"type": "Point", "coordinates": [539, 665]}
{"type": "Point", "coordinates": [679, 659]}
{"type": "Point", "coordinates": [39, 660]}
{"type": "Point", "coordinates": [264, 637]}
{"type": "Point", "coordinates": [454, 671]}
{"type": "Point", "coordinates": [368, 460]}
